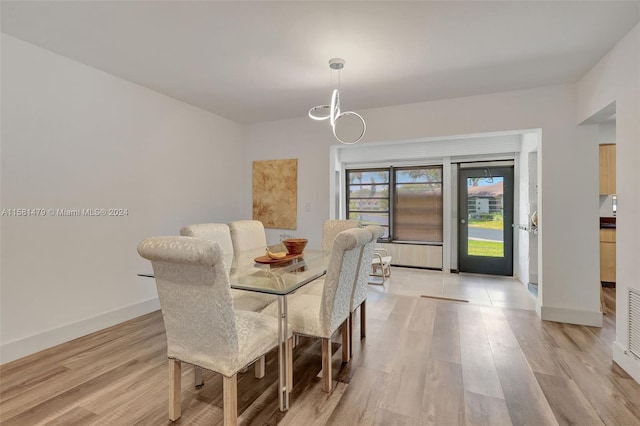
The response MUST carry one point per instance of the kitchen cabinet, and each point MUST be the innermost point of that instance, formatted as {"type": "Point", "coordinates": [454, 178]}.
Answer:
{"type": "Point", "coordinates": [608, 255]}
{"type": "Point", "coordinates": [607, 169]}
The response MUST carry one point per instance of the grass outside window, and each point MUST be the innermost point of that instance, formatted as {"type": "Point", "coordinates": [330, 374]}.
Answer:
{"type": "Point", "coordinates": [486, 248]}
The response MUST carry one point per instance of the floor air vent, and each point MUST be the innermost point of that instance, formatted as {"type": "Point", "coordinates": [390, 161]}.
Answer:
{"type": "Point", "coordinates": [634, 322]}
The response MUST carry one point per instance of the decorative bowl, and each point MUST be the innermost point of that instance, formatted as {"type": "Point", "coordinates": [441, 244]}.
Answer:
{"type": "Point", "coordinates": [295, 245]}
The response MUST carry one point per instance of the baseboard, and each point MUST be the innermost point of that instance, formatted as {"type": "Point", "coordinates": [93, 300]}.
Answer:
{"type": "Point", "coordinates": [627, 361]}
{"type": "Point", "coordinates": [571, 316]}
{"type": "Point", "coordinates": [29, 345]}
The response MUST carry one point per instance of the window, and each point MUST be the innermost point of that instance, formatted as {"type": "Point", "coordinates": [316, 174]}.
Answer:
{"type": "Point", "coordinates": [407, 201]}
{"type": "Point", "coordinates": [368, 197]}
{"type": "Point", "coordinates": [417, 212]}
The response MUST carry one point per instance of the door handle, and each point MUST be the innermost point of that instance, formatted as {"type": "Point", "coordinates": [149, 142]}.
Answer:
{"type": "Point", "coordinates": [463, 221]}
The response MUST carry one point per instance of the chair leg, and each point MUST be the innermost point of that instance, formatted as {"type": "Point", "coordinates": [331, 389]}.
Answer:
{"type": "Point", "coordinates": [260, 367]}
{"type": "Point", "coordinates": [363, 319]}
{"type": "Point", "coordinates": [197, 377]}
{"type": "Point", "coordinates": [290, 364]}
{"type": "Point", "coordinates": [350, 332]}
{"type": "Point", "coordinates": [175, 388]}
{"type": "Point", "coordinates": [346, 353]}
{"type": "Point", "coordinates": [326, 365]}
{"type": "Point", "coordinates": [230, 400]}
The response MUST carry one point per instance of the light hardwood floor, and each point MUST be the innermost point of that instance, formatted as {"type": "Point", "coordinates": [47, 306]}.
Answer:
{"type": "Point", "coordinates": [424, 362]}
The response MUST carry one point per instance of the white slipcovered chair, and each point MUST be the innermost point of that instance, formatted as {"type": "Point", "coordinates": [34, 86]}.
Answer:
{"type": "Point", "coordinates": [202, 327]}
{"type": "Point", "coordinates": [242, 300]}
{"type": "Point", "coordinates": [332, 227]}
{"type": "Point", "coordinates": [220, 233]}
{"type": "Point", "coordinates": [380, 262]}
{"type": "Point", "coordinates": [247, 235]}
{"type": "Point", "coordinates": [320, 316]}
{"type": "Point", "coordinates": [330, 230]}
{"type": "Point", "coordinates": [359, 295]}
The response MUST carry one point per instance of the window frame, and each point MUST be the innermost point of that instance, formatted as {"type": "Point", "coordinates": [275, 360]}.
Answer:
{"type": "Point", "coordinates": [391, 197]}
{"type": "Point", "coordinates": [388, 198]}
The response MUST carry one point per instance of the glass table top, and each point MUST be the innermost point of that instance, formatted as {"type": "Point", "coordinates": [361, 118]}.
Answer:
{"type": "Point", "coordinates": [276, 278]}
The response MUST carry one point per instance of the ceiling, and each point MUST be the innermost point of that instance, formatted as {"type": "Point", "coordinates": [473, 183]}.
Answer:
{"type": "Point", "coordinates": [261, 61]}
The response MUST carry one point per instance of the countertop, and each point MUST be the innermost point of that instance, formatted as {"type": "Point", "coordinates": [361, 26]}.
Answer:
{"type": "Point", "coordinates": [607, 222]}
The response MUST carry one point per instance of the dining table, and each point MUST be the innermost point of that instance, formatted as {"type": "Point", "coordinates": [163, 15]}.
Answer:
{"type": "Point", "coordinates": [253, 271]}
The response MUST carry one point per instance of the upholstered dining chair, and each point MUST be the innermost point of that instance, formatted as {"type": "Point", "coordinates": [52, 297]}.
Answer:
{"type": "Point", "coordinates": [202, 327]}
{"type": "Point", "coordinates": [242, 300]}
{"type": "Point", "coordinates": [220, 233]}
{"type": "Point", "coordinates": [332, 227]}
{"type": "Point", "coordinates": [330, 230]}
{"type": "Point", "coordinates": [321, 316]}
{"type": "Point", "coordinates": [247, 235]}
{"type": "Point", "coordinates": [380, 261]}
{"type": "Point", "coordinates": [359, 294]}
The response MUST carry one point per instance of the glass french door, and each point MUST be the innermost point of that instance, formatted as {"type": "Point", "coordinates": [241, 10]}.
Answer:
{"type": "Point", "coordinates": [485, 228]}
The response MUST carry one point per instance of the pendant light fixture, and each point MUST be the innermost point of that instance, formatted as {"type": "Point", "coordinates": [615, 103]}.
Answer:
{"type": "Point", "coordinates": [334, 114]}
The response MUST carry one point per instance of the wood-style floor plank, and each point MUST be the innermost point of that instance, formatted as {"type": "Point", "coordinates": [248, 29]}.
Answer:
{"type": "Point", "coordinates": [423, 362]}
{"type": "Point", "coordinates": [569, 405]}
{"type": "Point", "coordinates": [525, 400]}
{"type": "Point", "coordinates": [479, 374]}
{"type": "Point", "coordinates": [599, 388]}
{"type": "Point", "coordinates": [535, 343]}
{"type": "Point", "coordinates": [483, 410]}
{"type": "Point", "coordinates": [314, 407]}
{"type": "Point", "coordinates": [443, 397]}
{"type": "Point", "coordinates": [77, 416]}
{"type": "Point", "coordinates": [361, 399]}
{"type": "Point", "coordinates": [390, 418]}
{"type": "Point", "coordinates": [445, 342]}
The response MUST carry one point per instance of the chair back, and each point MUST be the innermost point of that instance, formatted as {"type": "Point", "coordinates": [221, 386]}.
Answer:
{"type": "Point", "coordinates": [359, 294]}
{"type": "Point", "coordinates": [341, 274]}
{"type": "Point", "coordinates": [332, 227]}
{"type": "Point", "coordinates": [218, 232]}
{"type": "Point", "coordinates": [247, 235]}
{"type": "Point", "coordinates": [195, 298]}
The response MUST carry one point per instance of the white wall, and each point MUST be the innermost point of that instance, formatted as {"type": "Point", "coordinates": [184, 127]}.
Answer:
{"type": "Point", "coordinates": [607, 132]}
{"type": "Point", "coordinates": [617, 78]}
{"type": "Point", "coordinates": [74, 137]}
{"type": "Point", "coordinates": [527, 184]}
{"type": "Point", "coordinates": [567, 210]}
{"type": "Point", "coordinates": [534, 196]}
